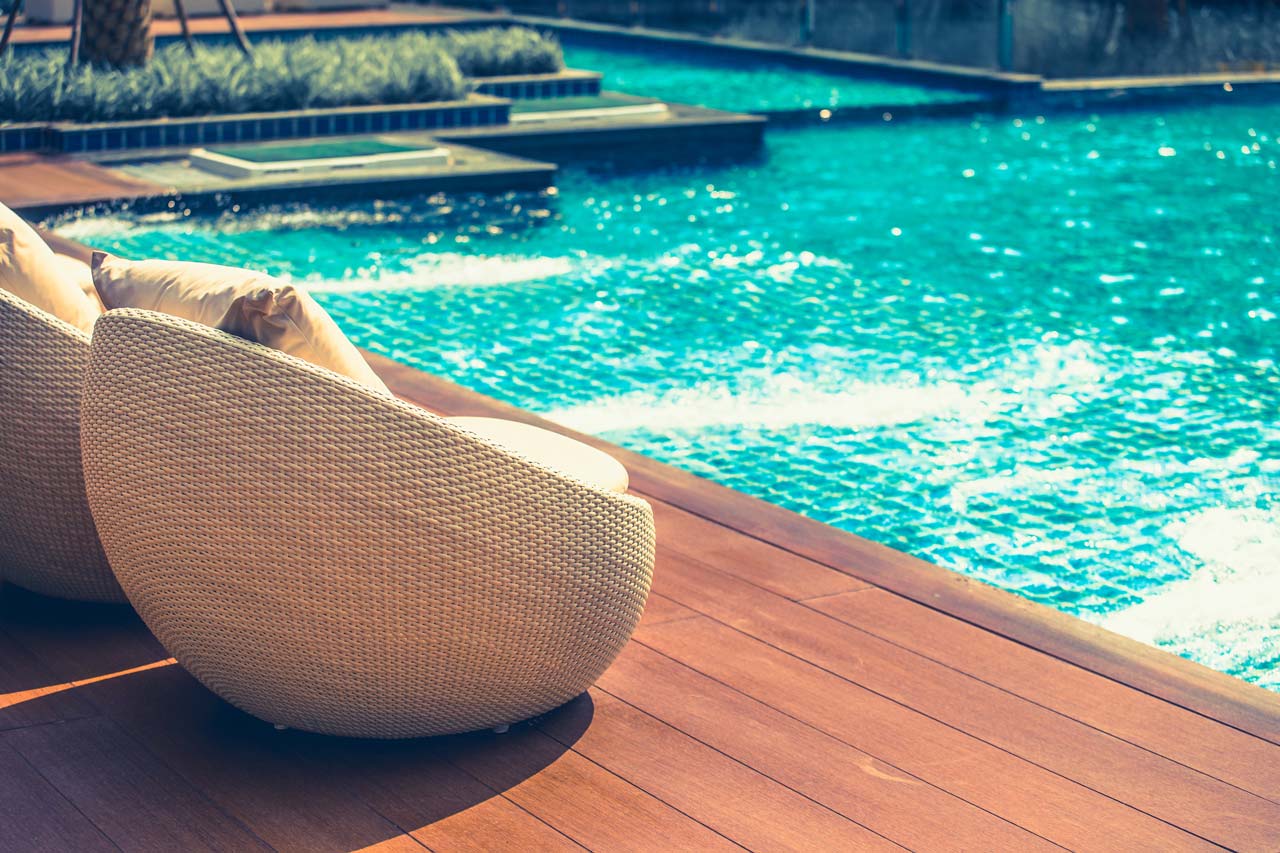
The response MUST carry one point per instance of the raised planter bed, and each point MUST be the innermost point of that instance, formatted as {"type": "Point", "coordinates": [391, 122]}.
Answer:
{"type": "Point", "coordinates": [563, 84]}
{"type": "Point", "coordinates": [476, 110]}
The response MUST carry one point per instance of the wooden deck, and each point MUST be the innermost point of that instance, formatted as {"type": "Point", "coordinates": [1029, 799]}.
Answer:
{"type": "Point", "coordinates": [32, 181]}
{"type": "Point", "coordinates": [790, 687]}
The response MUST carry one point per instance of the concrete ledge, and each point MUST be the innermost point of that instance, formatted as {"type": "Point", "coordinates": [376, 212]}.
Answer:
{"type": "Point", "coordinates": [1227, 80]}
{"type": "Point", "coordinates": [680, 134]}
{"type": "Point", "coordinates": [167, 179]}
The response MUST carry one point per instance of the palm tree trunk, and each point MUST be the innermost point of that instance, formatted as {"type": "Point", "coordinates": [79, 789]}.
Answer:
{"type": "Point", "coordinates": [117, 32]}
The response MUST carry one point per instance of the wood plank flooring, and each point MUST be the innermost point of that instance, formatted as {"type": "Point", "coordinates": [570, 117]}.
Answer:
{"type": "Point", "coordinates": [38, 181]}
{"type": "Point", "coordinates": [791, 687]}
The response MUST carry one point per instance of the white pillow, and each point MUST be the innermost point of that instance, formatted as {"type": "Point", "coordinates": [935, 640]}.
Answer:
{"type": "Point", "coordinates": [31, 271]}
{"type": "Point", "coordinates": [250, 304]}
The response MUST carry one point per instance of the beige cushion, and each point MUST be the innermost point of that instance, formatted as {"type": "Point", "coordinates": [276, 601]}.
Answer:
{"type": "Point", "coordinates": [555, 451]}
{"type": "Point", "coordinates": [30, 270]}
{"type": "Point", "coordinates": [79, 273]}
{"type": "Point", "coordinates": [250, 304]}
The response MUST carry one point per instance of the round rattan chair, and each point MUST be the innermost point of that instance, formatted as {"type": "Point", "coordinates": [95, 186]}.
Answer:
{"type": "Point", "coordinates": [48, 543]}
{"type": "Point", "coordinates": [335, 560]}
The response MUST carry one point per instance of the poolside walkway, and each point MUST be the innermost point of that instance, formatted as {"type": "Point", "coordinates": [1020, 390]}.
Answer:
{"type": "Point", "coordinates": [791, 686]}
{"type": "Point", "coordinates": [40, 185]}
{"type": "Point", "coordinates": [31, 181]}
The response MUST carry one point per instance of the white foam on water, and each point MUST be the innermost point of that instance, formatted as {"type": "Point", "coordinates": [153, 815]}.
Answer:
{"type": "Point", "coordinates": [1236, 592]}
{"type": "Point", "coordinates": [782, 402]}
{"type": "Point", "coordinates": [1024, 479]}
{"type": "Point", "coordinates": [86, 229]}
{"type": "Point", "coordinates": [451, 269]}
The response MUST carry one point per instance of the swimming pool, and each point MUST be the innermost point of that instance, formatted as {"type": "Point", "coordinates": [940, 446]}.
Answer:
{"type": "Point", "coordinates": [686, 75]}
{"type": "Point", "coordinates": [1040, 351]}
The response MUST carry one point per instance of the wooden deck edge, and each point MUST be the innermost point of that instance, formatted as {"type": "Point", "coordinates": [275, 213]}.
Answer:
{"type": "Point", "coordinates": [1143, 667]}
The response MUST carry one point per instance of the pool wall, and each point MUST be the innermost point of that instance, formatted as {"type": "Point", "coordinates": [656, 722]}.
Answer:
{"type": "Point", "coordinates": [103, 137]}
{"type": "Point", "coordinates": [566, 84]}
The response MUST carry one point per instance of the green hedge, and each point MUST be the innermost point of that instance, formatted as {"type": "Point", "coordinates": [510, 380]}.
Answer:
{"type": "Point", "coordinates": [283, 75]}
{"type": "Point", "coordinates": [500, 51]}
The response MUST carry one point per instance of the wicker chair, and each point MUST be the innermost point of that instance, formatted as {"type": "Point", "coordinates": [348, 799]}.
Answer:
{"type": "Point", "coordinates": [335, 560]}
{"type": "Point", "coordinates": [48, 543]}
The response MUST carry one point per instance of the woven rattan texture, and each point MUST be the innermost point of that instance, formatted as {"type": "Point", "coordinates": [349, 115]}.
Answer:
{"type": "Point", "coordinates": [48, 543]}
{"type": "Point", "coordinates": [335, 560]}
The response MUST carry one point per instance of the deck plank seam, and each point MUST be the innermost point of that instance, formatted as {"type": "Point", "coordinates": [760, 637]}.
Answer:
{"type": "Point", "coordinates": [676, 548]}
{"type": "Point", "coordinates": [652, 595]}
{"type": "Point", "coordinates": [683, 552]}
{"type": "Point", "coordinates": [820, 731]}
{"type": "Point", "coordinates": [839, 738]}
{"type": "Point", "coordinates": [1123, 683]}
{"type": "Point", "coordinates": [744, 764]}
{"type": "Point", "coordinates": [72, 803]}
{"type": "Point", "coordinates": [126, 731]}
{"type": "Point", "coordinates": [198, 790]}
{"type": "Point", "coordinates": [951, 726]}
{"type": "Point", "coordinates": [75, 718]}
{"type": "Point", "coordinates": [627, 782]}
{"type": "Point", "coordinates": [624, 780]}
{"type": "Point", "coordinates": [806, 603]}
{"type": "Point", "coordinates": [575, 842]}
{"type": "Point", "coordinates": [868, 588]}
{"type": "Point", "coordinates": [496, 795]}
{"type": "Point", "coordinates": [1038, 704]}
{"type": "Point", "coordinates": [945, 612]}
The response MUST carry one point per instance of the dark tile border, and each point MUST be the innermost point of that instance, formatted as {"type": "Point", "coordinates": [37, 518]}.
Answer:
{"type": "Point", "coordinates": [23, 137]}
{"type": "Point", "coordinates": [883, 113]}
{"type": "Point", "coordinates": [563, 84]}
{"type": "Point", "coordinates": [69, 138]}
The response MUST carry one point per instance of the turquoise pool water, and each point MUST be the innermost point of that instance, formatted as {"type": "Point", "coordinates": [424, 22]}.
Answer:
{"type": "Point", "coordinates": [1039, 351]}
{"type": "Point", "coordinates": [716, 81]}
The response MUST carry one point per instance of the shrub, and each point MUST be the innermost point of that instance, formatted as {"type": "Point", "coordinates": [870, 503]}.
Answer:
{"type": "Point", "coordinates": [288, 75]}
{"type": "Point", "coordinates": [499, 51]}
